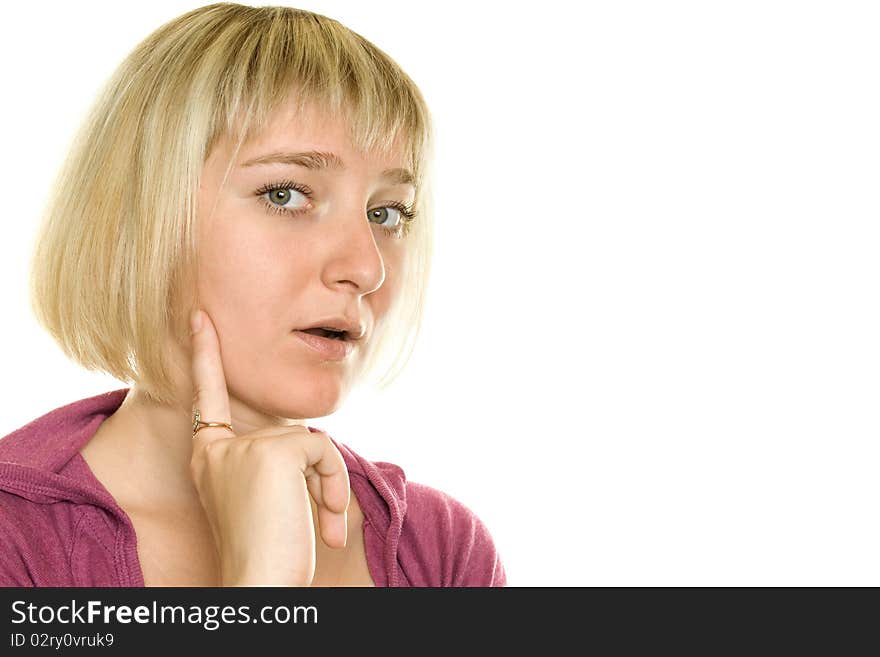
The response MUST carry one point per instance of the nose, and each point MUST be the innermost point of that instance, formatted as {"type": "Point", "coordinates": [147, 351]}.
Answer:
{"type": "Point", "coordinates": [354, 258]}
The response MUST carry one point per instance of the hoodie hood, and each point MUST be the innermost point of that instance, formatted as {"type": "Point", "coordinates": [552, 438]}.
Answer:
{"type": "Point", "coordinates": [41, 462]}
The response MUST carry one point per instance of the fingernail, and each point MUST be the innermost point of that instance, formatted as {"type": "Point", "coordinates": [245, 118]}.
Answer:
{"type": "Point", "coordinates": [195, 321]}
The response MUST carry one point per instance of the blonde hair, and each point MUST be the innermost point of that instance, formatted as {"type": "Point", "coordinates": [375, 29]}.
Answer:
{"type": "Point", "coordinates": [117, 250]}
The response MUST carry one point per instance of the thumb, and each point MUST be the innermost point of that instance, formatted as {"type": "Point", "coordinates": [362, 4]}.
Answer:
{"type": "Point", "coordinates": [210, 398]}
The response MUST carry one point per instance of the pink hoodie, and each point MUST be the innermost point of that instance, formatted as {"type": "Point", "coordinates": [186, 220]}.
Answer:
{"type": "Point", "coordinates": [59, 526]}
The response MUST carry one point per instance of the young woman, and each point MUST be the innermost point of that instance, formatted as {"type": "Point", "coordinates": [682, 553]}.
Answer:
{"type": "Point", "coordinates": [242, 232]}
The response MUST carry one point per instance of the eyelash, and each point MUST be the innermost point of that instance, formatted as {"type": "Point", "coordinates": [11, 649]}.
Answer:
{"type": "Point", "coordinates": [408, 215]}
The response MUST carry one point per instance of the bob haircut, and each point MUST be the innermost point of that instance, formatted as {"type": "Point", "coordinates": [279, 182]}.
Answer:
{"type": "Point", "coordinates": [116, 256]}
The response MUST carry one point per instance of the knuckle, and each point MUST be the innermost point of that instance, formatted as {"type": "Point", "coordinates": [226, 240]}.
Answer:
{"type": "Point", "coordinates": [198, 391]}
{"type": "Point", "coordinates": [213, 450]}
{"type": "Point", "coordinates": [291, 453]}
{"type": "Point", "coordinates": [265, 450]}
{"type": "Point", "coordinates": [201, 390]}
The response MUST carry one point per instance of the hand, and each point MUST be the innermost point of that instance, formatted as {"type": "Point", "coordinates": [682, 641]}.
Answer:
{"type": "Point", "coordinates": [255, 487]}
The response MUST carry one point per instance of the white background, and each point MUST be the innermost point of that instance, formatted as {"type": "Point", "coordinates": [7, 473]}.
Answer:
{"type": "Point", "coordinates": [651, 349]}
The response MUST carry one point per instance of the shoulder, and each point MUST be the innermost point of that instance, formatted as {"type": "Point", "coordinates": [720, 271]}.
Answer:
{"type": "Point", "coordinates": [450, 532]}
{"type": "Point", "coordinates": [436, 539]}
{"type": "Point", "coordinates": [38, 535]}
{"type": "Point", "coordinates": [62, 543]}
{"type": "Point", "coordinates": [23, 530]}
{"type": "Point", "coordinates": [13, 570]}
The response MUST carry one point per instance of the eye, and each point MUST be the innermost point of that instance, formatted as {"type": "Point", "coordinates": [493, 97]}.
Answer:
{"type": "Point", "coordinates": [284, 197]}
{"type": "Point", "coordinates": [395, 218]}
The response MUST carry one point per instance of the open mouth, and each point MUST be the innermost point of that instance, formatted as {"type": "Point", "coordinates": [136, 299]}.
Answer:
{"type": "Point", "coordinates": [327, 333]}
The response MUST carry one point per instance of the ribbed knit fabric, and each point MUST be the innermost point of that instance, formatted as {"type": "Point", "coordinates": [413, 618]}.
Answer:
{"type": "Point", "coordinates": [59, 526]}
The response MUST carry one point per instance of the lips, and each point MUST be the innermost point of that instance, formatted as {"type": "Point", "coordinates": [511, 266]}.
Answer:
{"type": "Point", "coordinates": [337, 349]}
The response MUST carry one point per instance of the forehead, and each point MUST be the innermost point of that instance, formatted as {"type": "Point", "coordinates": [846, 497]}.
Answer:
{"type": "Point", "coordinates": [314, 129]}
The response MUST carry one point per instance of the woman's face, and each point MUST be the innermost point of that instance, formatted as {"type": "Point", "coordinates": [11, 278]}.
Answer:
{"type": "Point", "coordinates": [284, 246]}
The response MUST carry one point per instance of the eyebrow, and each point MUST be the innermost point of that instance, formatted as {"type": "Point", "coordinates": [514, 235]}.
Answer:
{"type": "Point", "coordinates": [321, 160]}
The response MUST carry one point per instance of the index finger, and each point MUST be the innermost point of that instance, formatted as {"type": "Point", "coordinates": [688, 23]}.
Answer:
{"type": "Point", "coordinates": [210, 397]}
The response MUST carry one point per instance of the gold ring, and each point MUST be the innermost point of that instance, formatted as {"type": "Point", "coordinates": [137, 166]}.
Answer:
{"type": "Point", "coordinates": [198, 424]}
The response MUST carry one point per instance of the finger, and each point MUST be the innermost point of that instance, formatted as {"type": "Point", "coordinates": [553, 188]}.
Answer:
{"type": "Point", "coordinates": [326, 472]}
{"type": "Point", "coordinates": [210, 397]}
{"type": "Point", "coordinates": [333, 525]}
{"type": "Point", "coordinates": [330, 488]}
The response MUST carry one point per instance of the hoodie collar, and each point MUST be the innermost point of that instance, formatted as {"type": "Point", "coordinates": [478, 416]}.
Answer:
{"type": "Point", "coordinates": [49, 442]}
{"type": "Point", "coordinates": [42, 450]}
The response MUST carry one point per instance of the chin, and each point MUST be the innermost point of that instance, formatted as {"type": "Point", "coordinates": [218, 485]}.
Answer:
{"type": "Point", "coordinates": [310, 396]}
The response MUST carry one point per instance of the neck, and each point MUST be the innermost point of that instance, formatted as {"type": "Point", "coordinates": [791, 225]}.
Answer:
{"type": "Point", "coordinates": [144, 449]}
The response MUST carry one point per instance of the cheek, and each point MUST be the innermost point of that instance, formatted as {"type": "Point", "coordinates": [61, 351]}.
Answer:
{"type": "Point", "coordinates": [242, 269]}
